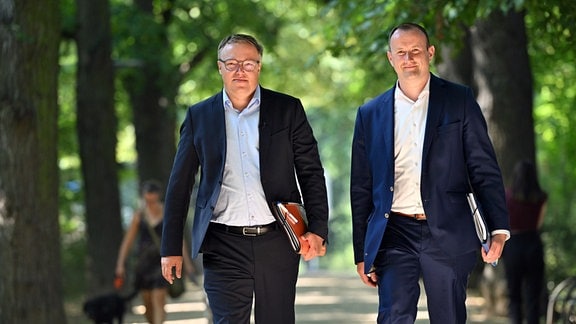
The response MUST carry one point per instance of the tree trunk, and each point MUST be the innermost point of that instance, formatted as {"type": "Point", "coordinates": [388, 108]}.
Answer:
{"type": "Point", "coordinates": [152, 103]}
{"type": "Point", "coordinates": [504, 80]}
{"type": "Point", "coordinates": [455, 61]}
{"type": "Point", "coordinates": [30, 273]}
{"type": "Point", "coordinates": [494, 61]}
{"type": "Point", "coordinates": [97, 126]}
{"type": "Point", "coordinates": [505, 91]}
{"type": "Point", "coordinates": [154, 125]}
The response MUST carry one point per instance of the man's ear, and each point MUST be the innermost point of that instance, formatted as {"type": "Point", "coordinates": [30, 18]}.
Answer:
{"type": "Point", "coordinates": [431, 52]}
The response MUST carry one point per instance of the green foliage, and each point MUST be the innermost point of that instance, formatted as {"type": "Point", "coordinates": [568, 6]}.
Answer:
{"type": "Point", "coordinates": [332, 57]}
{"type": "Point", "coordinates": [361, 28]}
{"type": "Point", "coordinates": [551, 31]}
{"type": "Point", "coordinates": [181, 39]}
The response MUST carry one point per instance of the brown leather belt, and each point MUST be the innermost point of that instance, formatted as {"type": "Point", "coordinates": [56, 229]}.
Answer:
{"type": "Point", "coordinates": [245, 230]}
{"type": "Point", "coordinates": [419, 217]}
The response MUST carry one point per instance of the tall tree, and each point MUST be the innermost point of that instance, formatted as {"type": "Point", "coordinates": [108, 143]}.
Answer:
{"type": "Point", "coordinates": [152, 88]}
{"type": "Point", "coordinates": [30, 282]}
{"type": "Point", "coordinates": [96, 128]}
{"type": "Point", "coordinates": [503, 75]}
{"type": "Point", "coordinates": [493, 58]}
{"type": "Point", "coordinates": [500, 72]}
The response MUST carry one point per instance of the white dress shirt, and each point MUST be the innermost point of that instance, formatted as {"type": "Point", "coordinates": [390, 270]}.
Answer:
{"type": "Point", "coordinates": [409, 126]}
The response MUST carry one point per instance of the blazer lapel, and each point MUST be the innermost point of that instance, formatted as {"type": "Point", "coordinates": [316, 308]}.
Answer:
{"type": "Point", "coordinates": [435, 107]}
{"type": "Point", "coordinates": [216, 126]}
{"type": "Point", "coordinates": [264, 127]}
{"type": "Point", "coordinates": [388, 126]}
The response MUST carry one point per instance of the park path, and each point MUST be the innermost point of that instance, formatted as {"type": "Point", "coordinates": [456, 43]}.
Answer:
{"type": "Point", "coordinates": [321, 297]}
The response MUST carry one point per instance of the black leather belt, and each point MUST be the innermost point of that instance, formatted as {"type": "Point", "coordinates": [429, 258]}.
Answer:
{"type": "Point", "coordinates": [244, 230]}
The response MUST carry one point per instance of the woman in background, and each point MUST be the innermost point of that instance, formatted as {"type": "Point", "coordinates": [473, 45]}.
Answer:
{"type": "Point", "coordinates": [524, 253]}
{"type": "Point", "coordinates": [146, 228]}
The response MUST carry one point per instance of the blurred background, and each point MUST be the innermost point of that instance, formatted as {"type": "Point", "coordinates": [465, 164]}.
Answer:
{"type": "Point", "coordinates": [92, 94]}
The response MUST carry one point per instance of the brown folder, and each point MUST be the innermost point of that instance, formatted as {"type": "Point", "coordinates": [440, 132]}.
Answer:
{"type": "Point", "coordinates": [292, 218]}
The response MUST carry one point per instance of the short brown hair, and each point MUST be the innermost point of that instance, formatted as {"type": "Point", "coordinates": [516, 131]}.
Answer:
{"type": "Point", "coordinates": [240, 38]}
{"type": "Point", "coordinates": [409, 26]}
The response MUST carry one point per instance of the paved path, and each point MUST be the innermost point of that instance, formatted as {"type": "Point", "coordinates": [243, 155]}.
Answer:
{"type": "Point", "coordinates": [321, 298]}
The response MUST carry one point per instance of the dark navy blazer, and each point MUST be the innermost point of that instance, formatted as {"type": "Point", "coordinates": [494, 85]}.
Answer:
{"type": "Point", "coordinates": [288, 157]}
{"type": "Point", "coordinates": [456, 143]}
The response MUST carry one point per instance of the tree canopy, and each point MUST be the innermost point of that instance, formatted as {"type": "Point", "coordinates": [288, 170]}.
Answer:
{"type": "Point", "coordinates": [331, 54]}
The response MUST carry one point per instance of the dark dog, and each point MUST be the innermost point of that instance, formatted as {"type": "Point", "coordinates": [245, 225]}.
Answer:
{"type": "Point", "coordinates": [106, 308]}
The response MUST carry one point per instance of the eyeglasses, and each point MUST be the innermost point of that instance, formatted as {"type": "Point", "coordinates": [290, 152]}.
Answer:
{"type": "Point", "coordinates": [246, 65]}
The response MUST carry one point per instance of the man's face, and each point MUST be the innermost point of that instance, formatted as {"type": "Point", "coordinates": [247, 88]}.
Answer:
{"type": "Point", "coordinates": [409, 55]}
{"type": "Point", "coordinates": [239, 82]}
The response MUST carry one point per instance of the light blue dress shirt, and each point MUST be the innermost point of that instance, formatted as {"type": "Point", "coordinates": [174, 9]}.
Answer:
{"type": "Point", "coordinates": [242, 201]}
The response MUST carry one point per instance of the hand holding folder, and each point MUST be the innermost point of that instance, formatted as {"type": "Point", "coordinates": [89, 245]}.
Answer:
{"type": "Point", "coordinates": [480, 224]}
{"type": "Point", "coordinates": [292, 218]}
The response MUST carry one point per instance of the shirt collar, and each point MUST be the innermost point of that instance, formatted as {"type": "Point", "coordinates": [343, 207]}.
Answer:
{"type": "Point", "coordinates": [399, 94]}
{"type": "Point", "coordinates": [253, 104]}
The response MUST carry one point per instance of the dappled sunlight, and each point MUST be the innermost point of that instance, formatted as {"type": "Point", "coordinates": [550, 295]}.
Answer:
{"type": "Point", "coordinates": [175, 308]}
{"type": "Point", "coordinates": [320, 298]}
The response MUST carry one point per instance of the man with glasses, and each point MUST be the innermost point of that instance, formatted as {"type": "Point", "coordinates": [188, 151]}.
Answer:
{"type": "Point", "coordinates": [253, 146]}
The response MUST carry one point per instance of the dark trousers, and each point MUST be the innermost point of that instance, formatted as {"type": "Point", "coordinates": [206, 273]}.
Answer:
{"type": "Point", "coordinates": [239, 269]}
{"type": "Point", "coordinates": [524, 264]}
{"type": "Point", "coordinates": [408, 252]}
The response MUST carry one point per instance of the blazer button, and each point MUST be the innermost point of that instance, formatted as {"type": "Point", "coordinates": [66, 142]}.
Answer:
{"type": "Point", "coordinates": [386, 215]}
{"type": "Point", "coordinates": [391, 188]}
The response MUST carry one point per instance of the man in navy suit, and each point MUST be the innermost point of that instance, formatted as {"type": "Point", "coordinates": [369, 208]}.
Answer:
{"type": "Point", "coordinates": [416, 150]}
{"type": "Point", "coordinates": [253, 147]}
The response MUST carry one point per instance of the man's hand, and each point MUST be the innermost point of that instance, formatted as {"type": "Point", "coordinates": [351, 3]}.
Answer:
{"type": "Point", "coordinates": [496, 247]}
{"type": "Point", "coordinates": [369, 279]}
{"type": "Point", "coordinates": [168, 264]}
{"type": "Point", "coordinates": [317, 246]}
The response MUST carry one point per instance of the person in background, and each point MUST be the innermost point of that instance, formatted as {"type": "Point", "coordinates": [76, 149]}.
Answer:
{"type": "Point", "coordinates": [253, 146]}
{"type": "Point", "coordinates": [415, 148]}
{"type": "Point", "coordinates": [524, 254]}
{"type": "Point", "coordinates": [145, 228]}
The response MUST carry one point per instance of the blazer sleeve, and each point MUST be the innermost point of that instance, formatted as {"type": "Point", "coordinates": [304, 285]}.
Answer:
{"type": "Point", "coordinates": [482, 166]}
{"type": "Point", "coordinates": [360, 188]}
{"type": "Point", "coordinates": [179, 190]}
{"type": "Point", "coordinates": [290, 167]}
{"type": "Point", "coordinates": [310, 173]}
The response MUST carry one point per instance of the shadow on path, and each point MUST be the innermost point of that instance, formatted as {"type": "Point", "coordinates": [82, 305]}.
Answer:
{"type": "Point", "coordinates": [321, 298]}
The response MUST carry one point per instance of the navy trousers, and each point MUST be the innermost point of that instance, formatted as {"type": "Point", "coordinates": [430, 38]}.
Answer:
{"type": "Point", "coordinates": [408, 253]}
{"type": "Point", "coordinates": [239, 269]}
